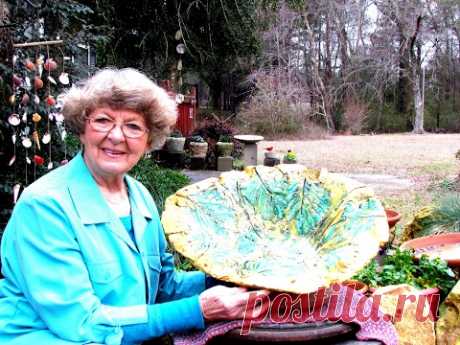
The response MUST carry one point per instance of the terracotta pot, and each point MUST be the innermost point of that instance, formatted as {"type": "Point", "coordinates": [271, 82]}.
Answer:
{"type": "Point", "coordinates": [445, 246]}
{"type": "Point", "coordinates": [392, 217]}
{"type": "Point", "coordinates": [198, 150]}
{"type": "Point", "coordinates": [356, 284]}
{"type": "Point", "coordinates": [175, 144]}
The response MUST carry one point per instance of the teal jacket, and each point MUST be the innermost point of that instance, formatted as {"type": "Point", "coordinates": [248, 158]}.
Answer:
{"type": "Point", "coordinates": [73, 275]}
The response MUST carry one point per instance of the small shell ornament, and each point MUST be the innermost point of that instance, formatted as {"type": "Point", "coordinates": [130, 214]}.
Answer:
{"type": "Point", "coordinates": [46, 138]}
{"type": "Point", "coordinates": [16, 189]}
{"type": "Point", "coordinates": [52, 80]}
{"type": "Point", "coordinates": [14, 120]}
{"type": "Point", "coordinates": [26, 142]}
{"type": "Point", "coordinates": [36, 117]}
{"type": "Point", "coordinates": [12, 160]}
{"type": "Point", "coordinates": [64, 78]}
{"type": "Point", "coordinates": [36, 138]}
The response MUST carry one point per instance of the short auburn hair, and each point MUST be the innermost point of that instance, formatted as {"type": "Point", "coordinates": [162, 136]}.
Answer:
{"type": "Point", "coordinates": [124, 88]}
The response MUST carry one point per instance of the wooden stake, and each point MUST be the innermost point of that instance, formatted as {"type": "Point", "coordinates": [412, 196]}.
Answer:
{"type": "Point", "coordinates": [34, 44]}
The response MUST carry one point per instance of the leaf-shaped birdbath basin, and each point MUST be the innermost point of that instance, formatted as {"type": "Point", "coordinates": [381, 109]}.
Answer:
{"type": "Point", "coordinates": [286, 228]}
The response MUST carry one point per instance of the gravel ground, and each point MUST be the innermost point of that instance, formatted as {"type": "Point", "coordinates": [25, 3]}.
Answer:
{"type": "Point", "coordinates": [396, 154]}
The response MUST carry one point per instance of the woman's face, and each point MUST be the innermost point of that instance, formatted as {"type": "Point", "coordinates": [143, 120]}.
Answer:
{"type": "Point", "coordinates": [111, 154]}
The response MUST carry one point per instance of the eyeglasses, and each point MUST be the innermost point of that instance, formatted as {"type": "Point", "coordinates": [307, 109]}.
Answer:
{"type": "Point", "coordinates": [104, 124]}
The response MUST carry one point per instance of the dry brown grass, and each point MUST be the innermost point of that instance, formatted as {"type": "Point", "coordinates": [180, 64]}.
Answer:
{"type": "Point", "coordinates": [425, 160]}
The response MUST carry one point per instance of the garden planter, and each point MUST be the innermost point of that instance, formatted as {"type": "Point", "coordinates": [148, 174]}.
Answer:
{"type": "Point", "coordinates": [175, 144]}
{"type": "Point", "coordinates": [446, 246]}
{"type": "Point", "coordinates": [270, 154]}
{"type": "Point", "coordinates": [289, 161]}
{"type": "Point", "coordinates": [392, 217]}
{"type": "Point", "coordinates": [356, 284]}
{"type": "Point", "coordinates": [198, 150]}
{"type": "Point", "coordinates": [224, 149]}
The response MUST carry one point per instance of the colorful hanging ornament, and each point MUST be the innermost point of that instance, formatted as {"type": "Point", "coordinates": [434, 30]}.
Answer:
{"type": "Point", "coordinates": [50, 165]}
{"type": "Point", "coordinates": [12, 160]}
{"type": "Point", "coordinates": [36, 100]}
{"type": "Point", "coordinates": [12, 99]}
{"type": "Point", "coordinates": [16, 189]}
{"type": "Point", "coordinates": [13, 139]}
{"type": "Point", "coordinates": [28, 161]}
{"type": "Point", "coordinates": [180, 48]}
{"type": "Point", "coordinates": [36, 138]}
{"type": "Point", "coordinates": [52, 80]}
{"type": "Point", "coordinates": [24, 117]}
{"type": "Point", "coordinates": [64, 161]}
{"type": "Point", "coordinates": [180, 98]}
{"type": "Point", "coordinates": [28, 83]}
{"type": "Point", "coordinates": [46, 138]}
{"type": "Point", "coordinates": [25, 99]}
{"type": "Point", "coordinates": [26, 142]}
{"type": "Point", "coordinates": [14, 120]}
{"type": "Point", "coordinates": [36, 118]}
{"type": "Point", "coordinates": [50, 100]}
{"type": "Point", "coordinates": [64, 78]}
{"type": "Point", "coordinates": [50, 65]}
{"type": "Point", "coordinates": [29, 65]}
{"type": "Point", "coordinates": [16, 80]}
{"type": "Point", "coordinates": [38, 160]}
{"type": "Point", "coordinates": [40, 60]}
{"type": "Point", "coordinates": [38, 83]}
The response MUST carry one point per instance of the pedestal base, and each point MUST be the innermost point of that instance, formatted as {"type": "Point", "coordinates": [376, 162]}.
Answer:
{"type": "Point", "coordinates": [171, 160]}
{"type": "Point", "coordinates": [224, 163]}
{"type": "Point", "coordinates": [271, 162]}
{"type": "Point", "coordinates": [250, 154]}
{"type": "Point", "coordinates": [197, 163]}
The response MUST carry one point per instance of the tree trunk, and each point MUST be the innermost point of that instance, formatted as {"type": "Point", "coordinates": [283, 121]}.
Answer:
{"type": "Point", "coordinates": [418, 79]}
{"type": "Point", "coordinates": [418, 98]}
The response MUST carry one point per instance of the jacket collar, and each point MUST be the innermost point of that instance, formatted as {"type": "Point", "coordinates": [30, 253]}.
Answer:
{"type": "Point", "coordinates": [88, 199]}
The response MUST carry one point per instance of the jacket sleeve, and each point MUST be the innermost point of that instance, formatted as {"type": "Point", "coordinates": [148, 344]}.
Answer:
{"type": "Point", "coordinates": [47, 265]}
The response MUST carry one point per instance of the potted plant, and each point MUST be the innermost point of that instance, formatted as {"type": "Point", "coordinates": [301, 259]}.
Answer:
{"type": "Point", "coordinates": [290, 157]}
{"type": "Point", "coordinates": [175, 142]}
{"type": "Point", "coordinates": [198, 147]}
{"type": "Point", "coordinates": [269, 153]}
{"type": "Point", "coordinates": [224, 146]}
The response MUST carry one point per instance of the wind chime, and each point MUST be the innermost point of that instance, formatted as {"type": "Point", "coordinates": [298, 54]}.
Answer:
{"type": "Point", "coordinates": [34, 108]}
{"type": "Point", "coordinates": [180, 50]}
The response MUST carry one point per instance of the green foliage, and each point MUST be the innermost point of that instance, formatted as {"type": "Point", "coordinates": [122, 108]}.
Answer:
{"type": "Point", "coordinates": [219, 37]}
{"type": "Point", "coordinates": [224, 138]}
{"type": "Point", "coordinates": [445, 216]}
{"type": "Point", "coordinates": [196, 139]}
{"type": "Point", "coordinates": [160, 182]}
{"type": "Point", "coordinates": [400, 267]}
{"type": "Point", "coordinates": [176, 133]}
{"type": "Point", "coordinates": [238, 164]}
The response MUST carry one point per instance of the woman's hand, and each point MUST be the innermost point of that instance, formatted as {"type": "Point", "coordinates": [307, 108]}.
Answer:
{"type": "Point", "coordinates": [229, 303]}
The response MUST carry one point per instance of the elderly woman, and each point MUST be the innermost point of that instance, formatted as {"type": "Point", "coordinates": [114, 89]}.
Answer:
{"type": "Point", "coordinates": [84, 255]}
